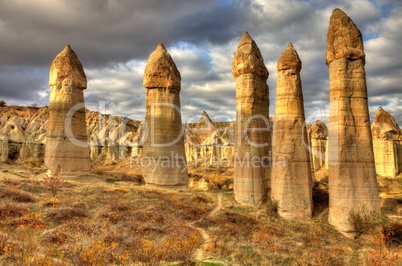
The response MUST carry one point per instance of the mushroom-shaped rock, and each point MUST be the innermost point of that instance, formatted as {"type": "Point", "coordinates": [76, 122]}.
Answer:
{"type": "Point", "coordinates": [291, 184]}
{"type": "Point", "coordinates": [164, 159]}
{"type": "Point", "coordinates": [67, 150]}
{"type": "Point", "coordinates": [352, 176]}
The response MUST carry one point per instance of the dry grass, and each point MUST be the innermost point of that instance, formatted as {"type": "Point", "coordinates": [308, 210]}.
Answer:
{"type": "Point", "coordinates": [63, 214]}
{"type": "Point", "coordinates": [94, 222]}
{"type": "Point", "coordinates": [15, 194]}
{"type": "Point", "coordinates": [10, 210]}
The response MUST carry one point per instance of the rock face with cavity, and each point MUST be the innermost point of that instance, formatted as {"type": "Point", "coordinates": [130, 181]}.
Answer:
{"type": "Point", "coordinates": [291, 184]}
{"type": "Point", "coordinates": [164, 158]}
{"type": "Point", "coordinates": [352, 176]}
{"type": "Point", "coordinates": [387, 143]}
{"type": "Point", "coordinates": [67, 151]}
{"type": "Point", "coordinates": [252, 136]}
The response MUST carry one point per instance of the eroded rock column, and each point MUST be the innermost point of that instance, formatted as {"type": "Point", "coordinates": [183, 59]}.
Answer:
{"type": "Point", "coordinates": [67, 151]}
{"type": "Point", "coordinates": [164, 159]}
{"type": "Point", "coordinates": [318, 142]}
{"type": "Point", "coordinates": [387, 137]}
{"type": "Point", "coordinates": [3, 148]}
{"type": "Point", "coordinates": [352, 176]}
{"type": "Point", "coordinates": [252, 136]}
{"type": "Point", "coordinates": [291, 183]}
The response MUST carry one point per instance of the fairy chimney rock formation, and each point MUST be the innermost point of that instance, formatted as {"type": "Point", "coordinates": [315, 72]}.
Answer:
{"type": "Point", "coordinates": [252, 138]}
{"type": "Point", "coordinates": [164, 160]}
{"type": "Point", "coordinates": [318, 135]}
{"type": "Point", "coordinates": [3, 148]}
{"type": "Point", "coordinates": [352, 176]}
{"type": "Point", "coordinates": [67, 151]}
{"type": "Point", "coordinates": [387, 143]}
{"type": "Point", "coordinates": [291, 184]}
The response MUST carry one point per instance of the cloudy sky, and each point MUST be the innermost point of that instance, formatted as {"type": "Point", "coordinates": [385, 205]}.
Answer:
{"type": "Point", "coordinates": [114, 38]}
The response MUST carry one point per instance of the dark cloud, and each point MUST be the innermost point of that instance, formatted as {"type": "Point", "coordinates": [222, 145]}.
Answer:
{"type": "Point", "coordinates": [24, 84]}
{"type": "Point", "coordinates": [104, 32]}
{"type": "Point", "coordinates": [113, 40]}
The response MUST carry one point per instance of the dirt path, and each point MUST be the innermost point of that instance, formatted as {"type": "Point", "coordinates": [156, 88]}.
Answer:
{"type": "Point", "coordinates": [199, 253]}
{"type": "Point", "coordinates": [218, 205]}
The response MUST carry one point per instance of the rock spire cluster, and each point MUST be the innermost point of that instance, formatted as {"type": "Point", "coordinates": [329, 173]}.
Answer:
{"type": "Point", "coordinates": [346, 147]}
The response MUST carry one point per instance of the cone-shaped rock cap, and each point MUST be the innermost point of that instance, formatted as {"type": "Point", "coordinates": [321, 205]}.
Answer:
{"type": "Point", "coordinates": [383, 116]}
{"type": "Point", "coordinates": [248, 59]}
{"type": "Point", "coordinates": [66, 70]}
{"type": "Point", "coordinates": [344, 39]}
{"type": "Point", "coordinates": [319, 130]}
{"type": "Point", "coordinates": [385, 125]}
{"type": "Point", "coordinates": [205, 119]}
{"type": "Point", "coordinates": [161, 71]}
{"type": "Point", "coordinates": [289, 59]}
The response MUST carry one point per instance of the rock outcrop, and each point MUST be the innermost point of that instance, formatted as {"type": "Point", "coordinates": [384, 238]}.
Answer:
{"type": "Point", "coordinates": [67, 151]}
{"type": "Point", "coordinates": [291, 184]}
{"type": "Point", "coordinates": [164, 159]}
{"type": "Point", "coordinates": [110, 137]}
{"type": "Point", "coordinates": [352, 176]}
{"type": "Point", "coordinates": [205, 127]}
{"type": "Point", "coordinates": [25, 130]}
{"type": "Point", "coordinates": [252, 136]}
{"type": "Point", "coordinates": [208, 143]}
{"type": "Point", "coordinates": [387, 143]}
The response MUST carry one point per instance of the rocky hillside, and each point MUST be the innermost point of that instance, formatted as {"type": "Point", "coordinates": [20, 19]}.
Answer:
{"type": "Point", "coordinates": [23, 137]}
{"type": "Point", "coordinates": [23, 132]}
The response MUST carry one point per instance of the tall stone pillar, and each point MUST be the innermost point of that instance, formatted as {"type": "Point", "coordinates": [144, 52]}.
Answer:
{"type": "Point", "coordinates": [3, 148]}
{"type": "Point", "coordinates": [164, 158]}
{"type": "Point", "coordinates": [67, 151]}
{"type": "Point", "coordinates": [318, 141]}
{"type": "Point", "coordinates": [252, 136]}
{"type": "Point", "coordinates": [352, 176]}
{"type": "Point", "coordinates": [291, 184]}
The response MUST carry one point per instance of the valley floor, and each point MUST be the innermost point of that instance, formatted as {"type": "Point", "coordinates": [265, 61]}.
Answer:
{"type": "Point", "coordinates": [112, 218]}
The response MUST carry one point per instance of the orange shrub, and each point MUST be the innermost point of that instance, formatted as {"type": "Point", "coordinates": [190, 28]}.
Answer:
{"type": "Point", "coordinates": [219, 182]}
{"type": "Point", "coordinates": [54, 183]}
{"type": "Point", "coordinates": [32, 220]}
